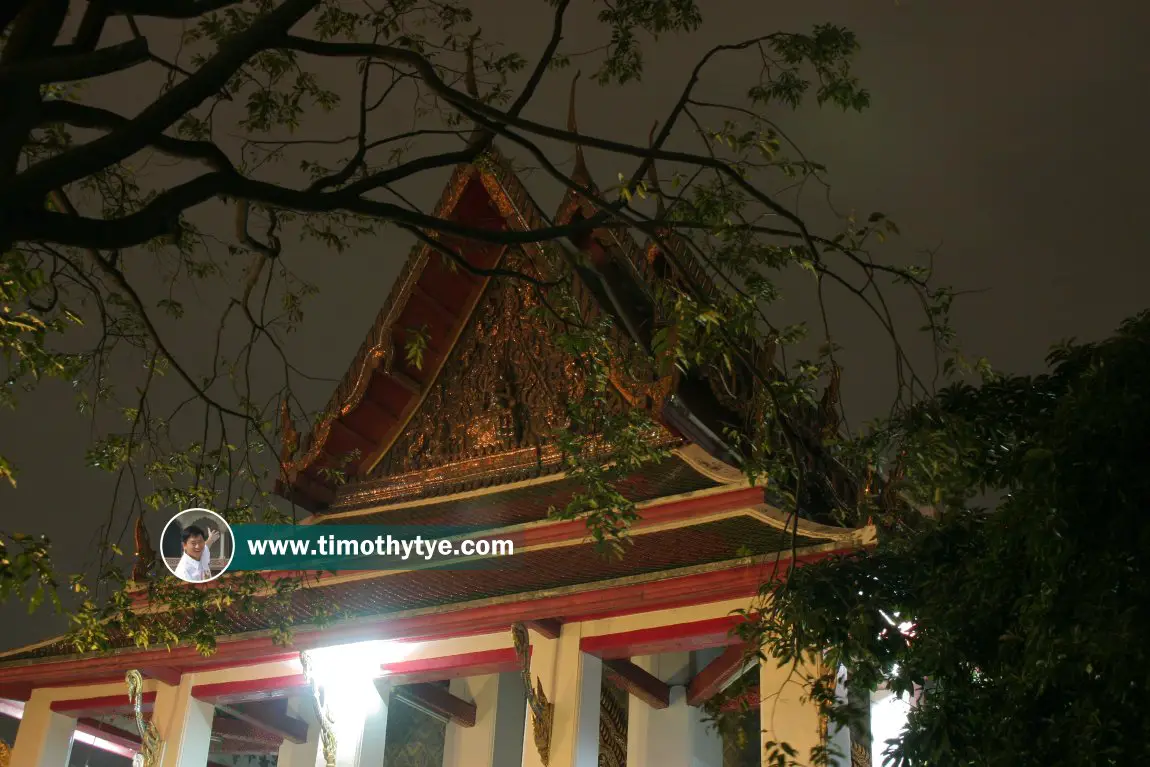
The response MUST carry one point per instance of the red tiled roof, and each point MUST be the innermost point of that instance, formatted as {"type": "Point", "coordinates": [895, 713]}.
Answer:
{"type": "Point", "coordinates": [705, 543]}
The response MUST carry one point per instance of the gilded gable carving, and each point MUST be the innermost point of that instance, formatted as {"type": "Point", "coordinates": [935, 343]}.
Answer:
{"type": "Point", "coordinates": [504, 388]}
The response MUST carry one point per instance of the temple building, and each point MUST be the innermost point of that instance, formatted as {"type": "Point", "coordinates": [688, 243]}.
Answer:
{"type": "Point", "coordinates": [556, 657]}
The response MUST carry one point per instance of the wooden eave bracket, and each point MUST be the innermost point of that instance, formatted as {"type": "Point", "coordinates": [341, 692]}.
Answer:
{"type": "Point", "coordinates": [638, 682]}
{"type": "Point", "coordinates": [435, 701]}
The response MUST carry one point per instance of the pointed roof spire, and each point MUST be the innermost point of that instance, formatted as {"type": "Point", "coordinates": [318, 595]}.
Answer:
{"type": "Point", "coordinates": [471, 82]}
{"type": "Point", "coordinates": [580, 173]}
{"type": "Point", "coordinates": [469, 79]}
{"type": "Point", "coordinates": [653, 177]}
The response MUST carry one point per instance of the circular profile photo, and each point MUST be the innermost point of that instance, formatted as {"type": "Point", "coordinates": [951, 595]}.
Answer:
{"type": "Point", "coordinates": [197, 545]}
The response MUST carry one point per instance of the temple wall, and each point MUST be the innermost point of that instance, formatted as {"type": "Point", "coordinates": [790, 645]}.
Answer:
{"type": "Point", "coordinates": [624, 690]}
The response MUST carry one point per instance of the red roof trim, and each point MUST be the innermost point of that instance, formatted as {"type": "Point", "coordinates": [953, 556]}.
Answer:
{"type": "Point", "coordinates": [576, 529]}
{"type": "Point", "coordinates": [103, 704]}
{"type": "Point", "coordinates": [247, 689]}
{"type": "Point", "coordinates": [697, 635]}
{"type": "Point", "coordinates": [699, 588]}
{"type": "Point", "coordinates": [452, 666]}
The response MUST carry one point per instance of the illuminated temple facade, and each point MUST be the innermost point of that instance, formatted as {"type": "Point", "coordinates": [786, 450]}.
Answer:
{"type": "Point", "coordinates": [426, 670]}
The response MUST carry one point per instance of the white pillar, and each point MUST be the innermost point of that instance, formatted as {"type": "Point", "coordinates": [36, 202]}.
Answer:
{"type": "Point", "coordinates": [369, 752]}
{"type": "Point", "coordinates": [496, 740]}
{"type": "Point", "coordinates": [44, 738]}
{"type": "Point", "coordinates": [572, 681]}
{"type": "Point", "coordinates": [308, 753]}
{"type": "Point", "coordinates": [360, 732]}
{"type": "Point", "coordinates": [184, 724]}
{"type": "Point", "coordinates": [784, 715]}
{"type": "Point", "coordinates": [839, 738]}
{"type": "Point", "coordinates": [676, 736]}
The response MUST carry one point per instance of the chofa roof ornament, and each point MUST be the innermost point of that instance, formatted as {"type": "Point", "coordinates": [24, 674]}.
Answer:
{"type": "Point", "coordinates": [580, 175]}
{"type": "Point", "coordinates": [653, 178]}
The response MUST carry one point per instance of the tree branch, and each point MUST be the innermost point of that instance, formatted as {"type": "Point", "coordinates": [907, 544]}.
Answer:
{"type": "Point", "coordinates": [59, 171]}
{"type": "Point", "coordinates": [544, 60]}
{"type": "Point", "coordinates": [499, 120]}
{"type": "Point", "coordinates": [63, 65]}
{"type": "Point", "coordinates": [83, 116]}
{"type": "Point", "coordinates": [170, 9]}
{"type": "Point", "coordinates": [160, 217]}
{"type": "Point", "coordinates": [9, 11]}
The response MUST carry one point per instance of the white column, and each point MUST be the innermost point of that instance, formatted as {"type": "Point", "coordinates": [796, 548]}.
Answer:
{"type": "Point", "coordinates": [184, 724]}
{"type": "Point", "coordinates": [676, 736]}
{"type": "Point", "coordinates": [369, 752]}
{"type": "Point", "coordinates": [360, 733]}
{"type": "Point", "coordinates": [839, 738]}
{"type": "Point", "coordinates": [572, 681]}
{"type": "Point", "coordinates": [784, 716]}
{"type": "Point", "coordinates": [44, 738]}
{"type": "Point", "coordinates": [496, 740]}
{"type": "Point", "coordinates": [308, 753]}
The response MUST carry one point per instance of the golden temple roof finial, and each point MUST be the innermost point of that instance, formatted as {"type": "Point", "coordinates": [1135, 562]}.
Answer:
{"type": "Point", "coordinates": [289, 437]}
{"type": "Point", "coordinates": [471, 83]}
{"type": "Point", "coordinates": [653, 177]}
{"type": "Point", "coordinates": [469, 79]}
{"type": "Point", "coordinates": [145, 554]}
{"type": "Point", "coordinates": [579, 175]}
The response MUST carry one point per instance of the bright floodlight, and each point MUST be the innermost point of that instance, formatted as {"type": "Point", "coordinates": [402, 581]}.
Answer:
{"type": "Point", "coordinates": [347, 674]}
{"type": "Point", "coordinates": [888, 718]}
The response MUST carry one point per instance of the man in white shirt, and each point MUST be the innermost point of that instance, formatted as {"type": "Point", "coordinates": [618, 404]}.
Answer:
{"type": "Point", "coordinates": [195, 564]}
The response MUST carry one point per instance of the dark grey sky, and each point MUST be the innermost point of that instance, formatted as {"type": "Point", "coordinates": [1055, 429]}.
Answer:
{"type": "Point", "coordinates": [1010, 136]}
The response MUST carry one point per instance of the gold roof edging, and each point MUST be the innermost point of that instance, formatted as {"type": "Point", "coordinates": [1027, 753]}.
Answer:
{"type": "Point", "coordinates": [378, 346]}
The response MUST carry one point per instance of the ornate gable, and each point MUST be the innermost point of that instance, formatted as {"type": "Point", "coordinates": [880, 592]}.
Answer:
{"type": "Point", "coordinates": [491, 414]}
{"type": "Point", "coordinates": [505, 386]}
{"type": "Point", "coordinates": [491, 387]}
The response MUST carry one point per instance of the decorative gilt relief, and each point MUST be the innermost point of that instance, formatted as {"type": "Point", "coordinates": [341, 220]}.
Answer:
{"type": "Point", "coordinates": [5, 754]}
{"type": "Point", "coordinates": [542, 710]}
{"type": "Point", "coordinates": [860, 756]}
{"type": "Point", "coordinates": [327, 739]}
{"type": "Point", "coordinates": [504, 388]}
{"type": "Point", "coordinates": [612, 726]}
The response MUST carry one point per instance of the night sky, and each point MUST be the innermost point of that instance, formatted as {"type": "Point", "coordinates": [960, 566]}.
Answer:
{"type": "Point", "coordinates": [1008, 137]}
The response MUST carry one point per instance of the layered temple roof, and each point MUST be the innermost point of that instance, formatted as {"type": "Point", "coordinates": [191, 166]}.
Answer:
{"type": "Point", "coordinates": [464, 439]}
{"type": "Point", "coordinates": [489, 388]}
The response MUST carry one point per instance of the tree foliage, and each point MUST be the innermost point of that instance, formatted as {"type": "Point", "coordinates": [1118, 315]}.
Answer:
{"type": "Point", "coordinates": [1022, 628]}
{"type": "Point", "coordinates": [102, 253]}
{"type": "Point", "coordinates": [305, 123]}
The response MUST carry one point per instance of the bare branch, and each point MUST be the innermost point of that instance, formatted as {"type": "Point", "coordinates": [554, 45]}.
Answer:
{"type": "Point", "coordinates": [64, 168]}
{"type": "Point", "coordinates": [64, 65]}
{"type": "Point", "coordinates": [82, 116]}
{"type": "Point", "coordinates": [170, 9]}
{"type": "Point", "coordinates": [160, 217]}
{"type": "Point", "coordinates": [544, 61]}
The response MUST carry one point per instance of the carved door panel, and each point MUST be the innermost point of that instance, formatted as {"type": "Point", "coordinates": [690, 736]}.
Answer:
{"type": "Point", "coordinates": [612, 726]}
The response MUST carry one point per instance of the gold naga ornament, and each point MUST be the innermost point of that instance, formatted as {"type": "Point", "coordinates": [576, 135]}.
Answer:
{"type": "Point", "coordinates": [326, 723]}
{"type": "Point", "coordinates": [542, 710]}
{"type": "Point", "coordinates": [5, 754]}
{"type": "Point", "coordinates": [151, 746]}
{"type": "Point", "coordinates": [860, 757]}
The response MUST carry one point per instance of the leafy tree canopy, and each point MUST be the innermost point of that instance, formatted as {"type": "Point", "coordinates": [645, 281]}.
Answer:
{"type": "Point", "coordinates": [247, 108]}
{"type": "Point", "coordinates": [1023, 627]}
{"type": "Point", "coordinates": [305, 121]}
